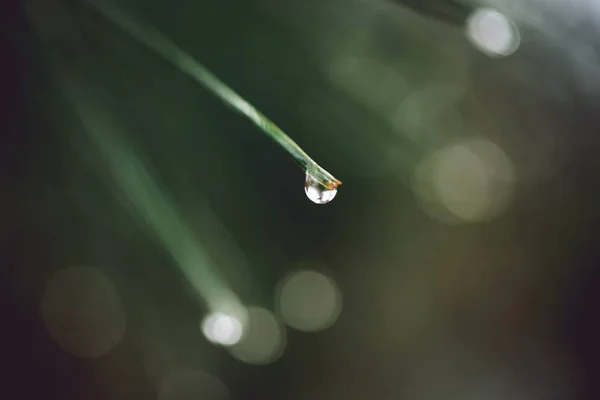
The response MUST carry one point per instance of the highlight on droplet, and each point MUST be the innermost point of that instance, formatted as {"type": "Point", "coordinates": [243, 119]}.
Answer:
{"type": "Point", "coordinates": [308, 301]}
{"type": "Point", "coordinates": [264, 339]}
{"type": "Point", "coordinates": [492, 32]}
{"type": "Point", "coordinates": [317, 192]}
{"type": "Point", "coordinates": [222, 329]}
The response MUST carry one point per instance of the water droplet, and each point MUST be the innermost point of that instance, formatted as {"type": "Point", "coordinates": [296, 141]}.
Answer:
{"type": "Point", "coordinates": [317, 192]}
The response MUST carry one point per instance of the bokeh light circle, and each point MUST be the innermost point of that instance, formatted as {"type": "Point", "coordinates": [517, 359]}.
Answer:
{"type": "Point", "coordinates": [192, 385]}
{"type": "Point", "coordinates": [308, 301]}
{"type": "Point", "coordinates": [466, 182]}
{"type": "Point", "coordinates": [263, 341]}
{"type": "Point", "coordinates": [223, 329]}
{"type": "Point", "coordinates": [492, 32]}
{"type": "Point", "coordinates": [82, 312]}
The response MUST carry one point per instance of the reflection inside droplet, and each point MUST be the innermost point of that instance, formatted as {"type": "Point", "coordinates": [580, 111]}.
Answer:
{"type": "Point", "coordinates": [316, 192]}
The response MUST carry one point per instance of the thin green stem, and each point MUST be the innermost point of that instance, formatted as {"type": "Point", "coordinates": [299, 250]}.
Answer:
{"type": "Point", "coordinates": [158, 42]}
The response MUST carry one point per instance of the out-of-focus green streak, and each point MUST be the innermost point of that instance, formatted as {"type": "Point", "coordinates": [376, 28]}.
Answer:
{"type": "Point", "coordinates": [152, 204]}
{"type": "Point", "coordinates": [158, 42]}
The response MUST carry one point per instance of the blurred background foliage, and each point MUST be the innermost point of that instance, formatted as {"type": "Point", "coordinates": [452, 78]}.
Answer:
{"type": "Point", "coordinates": [440, 299]}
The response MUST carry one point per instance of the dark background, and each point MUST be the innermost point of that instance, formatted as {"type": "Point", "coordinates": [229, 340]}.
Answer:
{"type": "Point", "coordinates": [501, 309]}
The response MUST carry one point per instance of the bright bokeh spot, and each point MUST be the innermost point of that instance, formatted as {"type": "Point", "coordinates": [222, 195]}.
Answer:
{"type": "Point", "coordinates": [263, 341]}
{"type": "Point", "coordinates": [82, 312]}
{"type": "Point", "coordinates": [192, 385]}
{"type": "Point", "coordinates": [309, 301]}
{"type": "Point", "coordinates": [492, 32]}
{"type": "Point", "coordinates": [472, 181]}
{"type": "Point", "coordinates": [223, 329]}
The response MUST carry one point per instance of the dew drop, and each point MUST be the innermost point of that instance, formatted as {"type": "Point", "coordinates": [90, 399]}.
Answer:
{"type": "Point", "coordinates": [317, 192]}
